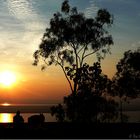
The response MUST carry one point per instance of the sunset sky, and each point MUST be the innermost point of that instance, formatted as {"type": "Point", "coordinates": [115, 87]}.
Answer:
{"type": "Point", "coordinates": [22, 24]}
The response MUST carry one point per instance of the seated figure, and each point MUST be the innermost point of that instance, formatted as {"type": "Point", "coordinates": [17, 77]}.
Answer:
{"type": "Point", "coordinates": [18, 120]}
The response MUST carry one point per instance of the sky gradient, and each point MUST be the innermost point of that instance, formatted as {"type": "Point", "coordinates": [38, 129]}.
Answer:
{"type": "Point", "coordinates": [22, 24]}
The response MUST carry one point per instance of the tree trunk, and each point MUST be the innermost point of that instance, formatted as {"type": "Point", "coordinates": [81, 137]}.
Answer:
{"type": "Point", "coordinates": [75, 88]}
{"type": "Point", "coordinates": [121, 114]}
{"type": "Point", "coordinates": [75, 84]}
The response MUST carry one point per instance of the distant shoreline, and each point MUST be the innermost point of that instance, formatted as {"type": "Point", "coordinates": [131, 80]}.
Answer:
{"type": "Point", "coordinates": [25, 109]}
{"type": "Point", "coordinates": [35, 108]}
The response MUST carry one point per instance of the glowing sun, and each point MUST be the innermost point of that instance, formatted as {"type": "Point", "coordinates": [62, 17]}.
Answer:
{"type": "Point", "coordinates": [7, 78]}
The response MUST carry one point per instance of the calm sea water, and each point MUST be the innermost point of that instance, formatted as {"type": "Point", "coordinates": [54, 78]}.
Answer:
{"type": "Point", "coordinates": [7, 113]}
{"type": "Point", "coordinates": [134, 117]}
{"type": "Point", "coordinates": [8, 117]}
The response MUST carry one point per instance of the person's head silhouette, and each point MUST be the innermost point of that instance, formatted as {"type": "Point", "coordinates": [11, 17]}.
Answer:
{"type": "Point", "coordinates": [18, 112]}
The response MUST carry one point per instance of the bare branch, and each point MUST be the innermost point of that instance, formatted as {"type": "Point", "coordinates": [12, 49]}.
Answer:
{"type": "Point", "coordinates": [67, 78]}
{"type": "Point", "coordinates": [80, 49]}
{"type": "Point", "coordinates": [76, 54]}
{"type": "Point", "coordinates": [79, 58]}
{"type": "Point", "coordinates": [90, 53]}
{"type": "Point", "coordinates": [45, 61]}
{"type": "Point", "coordinates": [65, 75]}
{"type": "Point", "coordinates": [83, 56]}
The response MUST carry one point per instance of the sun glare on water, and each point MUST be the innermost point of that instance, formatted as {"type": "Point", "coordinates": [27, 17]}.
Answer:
{"type": "Point", "coordinates": [6, 118]}
{"type": "Point", "coordinates": [5, 104]}
{"type": "Point", "coordinates": [7, 78]}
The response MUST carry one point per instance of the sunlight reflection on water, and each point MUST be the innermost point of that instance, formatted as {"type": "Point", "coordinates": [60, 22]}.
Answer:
{"type": "Point", "coordinates": [6, 117]}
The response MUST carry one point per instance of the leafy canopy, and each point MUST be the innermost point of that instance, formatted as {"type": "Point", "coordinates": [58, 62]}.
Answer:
{"type": "Point", "coordinates": [71, 38]}
{"type": "Point", "coordinates": [127, 78]}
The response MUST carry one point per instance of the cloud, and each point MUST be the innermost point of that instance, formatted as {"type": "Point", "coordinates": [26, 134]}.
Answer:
{"type": "Point", "coordinates": [35, 26]}
{"type": "Point", "coordinates": [92, 9]}
{"type": "Point", "coordinates": [136, 44]}
{"type": "Point", "coordinates": [25, 12]}
{"type": "Point", "coordinates": [21, 30]}
{"type": "Point", "coordinates": [21, 9]}
{"type": "Point", "coordinates": [125, 1]}
{"type": "Point", "coordinates": [19, 49]}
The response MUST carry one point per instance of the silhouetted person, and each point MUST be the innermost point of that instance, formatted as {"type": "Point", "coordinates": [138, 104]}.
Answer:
{"type": "Point", "coordinates": [18, 120]}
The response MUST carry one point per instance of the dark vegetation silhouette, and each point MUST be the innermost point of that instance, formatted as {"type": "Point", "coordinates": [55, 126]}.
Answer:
{"type": "Point", "coordinates": [36, 120]}
{"type": "Point", "coordinates": [18, 120]}
{"type": "Point", "coordinates": [90, 103]}
{"type": "Point", "coordinates": [68, 42]}
{"type": "Point", "coordinates": [59, 112]}
{"type": "Point", "coordinates": [126, 81]}
{"type": "Point", "coordinates": [72, 38]}
{"type": "Point", "coordinates": [94, 101]}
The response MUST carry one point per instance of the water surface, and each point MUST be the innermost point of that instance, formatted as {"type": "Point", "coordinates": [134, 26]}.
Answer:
{"type": "Point", "coordinates": [8, 117]}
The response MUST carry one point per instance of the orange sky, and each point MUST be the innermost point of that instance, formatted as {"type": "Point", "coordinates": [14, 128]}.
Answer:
{"type": "Point", "coordinates": [22, 26]}
{"type": "Point", "coordinates": [36, 86]}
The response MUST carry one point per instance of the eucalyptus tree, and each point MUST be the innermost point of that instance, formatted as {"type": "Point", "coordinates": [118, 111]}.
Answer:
{"type": "Point", "coordinates": [71, 38]}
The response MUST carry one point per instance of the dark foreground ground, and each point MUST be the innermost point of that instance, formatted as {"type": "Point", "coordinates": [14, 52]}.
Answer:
{"type": "Point", "coordinates": [71, 130]}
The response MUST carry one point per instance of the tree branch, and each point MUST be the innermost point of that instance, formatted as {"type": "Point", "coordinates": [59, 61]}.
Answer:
{"type": "Point", "coordinates": [76, 55]}
{"type": "Point", "coordinates": [77, 65]}
{"type": "Point", "coordinates": [79, 59]}
{"type": "Point", "coordinates": [64, 73]}
{"type": "Point", "coordinates": [67, 78]}
{"type": "Point", "coordinates": [90, 53]}
{"type": "Point", "coordinates": [80, 49]}
{"type": "Point", "coordinates": [83, 55]}
{"type": "Point", "coordinates": [45, 62]}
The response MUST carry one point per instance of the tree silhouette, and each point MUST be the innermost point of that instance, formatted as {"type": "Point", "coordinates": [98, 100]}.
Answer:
{"type": "Point", "coordinates": [59, 112]}
{"type": "Point", "coordinates": [110, 111]}
{"type": "Point", "coordinates": [90, 103]}
{"type": "Point", "coordinates": [71, 38]}
{"type": "Point", "coordinates": [126, 82]}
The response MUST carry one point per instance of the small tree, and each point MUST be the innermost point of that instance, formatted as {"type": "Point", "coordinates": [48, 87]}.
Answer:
{"type": "Point", "coordinates": [126, 82]}
{"type": "Point", "coordinates": [71, 38]}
